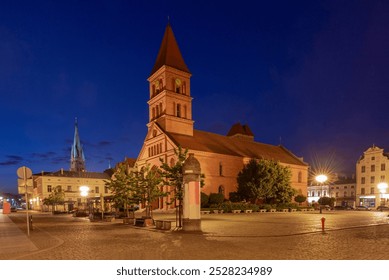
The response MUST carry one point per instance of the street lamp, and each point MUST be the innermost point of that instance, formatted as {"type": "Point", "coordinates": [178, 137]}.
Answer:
{"type": "Point", "coordinates": [321, 179]}
{"type": "Point", "coordinates": [84, 190]}
{"type": "Point", "coordinates": [382, 187]}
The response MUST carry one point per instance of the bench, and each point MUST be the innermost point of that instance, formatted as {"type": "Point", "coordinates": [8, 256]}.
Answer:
{"type": "Point", "coordinates": [205, 212]}
{"type": "Point", "coordinates": [109, 218]}
{"type": "Point", "coordinates": [236, 211]}
{"type": "Point", "coordinates": [293, 210]}
{"type": "Point", "coordinates": [284, 210]}
{"type": "Point", "coordinates": [311, 209]}
{"type": "Point", "coordinates": [273, 210]}
{"type": "Point", "coordinates": [129, 221]}
{"type": "Point", "coordinates": [217, 211]}
{"type": "Point", "coordinates": [262, 210]}
{"type": "Point", "coordinates": [248, 211]}
{"type": "Point", "coordinates": [163, 224]}
{"type": "Point", "coordinates": [304, 209]}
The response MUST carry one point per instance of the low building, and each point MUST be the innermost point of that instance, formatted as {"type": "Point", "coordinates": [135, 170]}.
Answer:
{"type": "Point", "coordinates": [372, 171]}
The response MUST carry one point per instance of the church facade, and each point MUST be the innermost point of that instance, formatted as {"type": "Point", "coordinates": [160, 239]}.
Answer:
{"type": "Point", "coordinates": [170, 126]}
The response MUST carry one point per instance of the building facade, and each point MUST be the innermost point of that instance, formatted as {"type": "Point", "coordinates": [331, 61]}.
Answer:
{"type": "Point", "coordinates": [372, 171]}
{"type": "Point", "coordinates": [71, 183]}
{"type": "Point", "coordinates": [170, 126]}
{"type": "Point", "coordinates": [344, 192]}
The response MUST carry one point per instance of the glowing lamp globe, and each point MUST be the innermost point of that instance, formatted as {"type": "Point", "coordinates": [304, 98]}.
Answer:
{"type": "Point", "coordinates": [321, 178]}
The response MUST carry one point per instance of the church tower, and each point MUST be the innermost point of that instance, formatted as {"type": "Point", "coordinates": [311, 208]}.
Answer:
{"type": "Point", "coordinates": [170, 103]}
{"type": "Point", "coordinates": [77, 158]}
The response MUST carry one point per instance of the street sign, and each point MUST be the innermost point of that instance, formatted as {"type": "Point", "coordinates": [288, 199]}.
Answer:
{"type": "Point", "coordinates": [24, 185]}
{"type": "Point", "coordinates": [24, 173]}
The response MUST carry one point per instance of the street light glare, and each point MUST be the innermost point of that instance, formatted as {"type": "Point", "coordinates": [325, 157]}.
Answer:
{"type": "Point", "coordinates": [382, 187]}
{"type": "Point", "coordinates": [321, 178]}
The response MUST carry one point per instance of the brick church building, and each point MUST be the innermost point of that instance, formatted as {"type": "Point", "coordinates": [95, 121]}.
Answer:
{"type": "Point", "coordinates": [171, 125]}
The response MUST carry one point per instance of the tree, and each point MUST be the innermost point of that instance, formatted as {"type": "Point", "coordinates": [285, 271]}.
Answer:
{"type": "Point", "coordinates": [325, 200]}
{"type": "Point", "coordinates": [300, 198]}
{"type": "Point", "coordinates": [173, 177]}
{"type": "Point", "coordinates": [148, 185]}
{"type": "Point", "coordinates": [123, 187]}
{"type": "Point", "coordinates": [56, 197]}
{"type": "Point", "coordinates": [265, 180]}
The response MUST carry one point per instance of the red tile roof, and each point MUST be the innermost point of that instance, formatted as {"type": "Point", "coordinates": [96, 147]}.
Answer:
{"type": "Point", "coordinates": [220, 144]}
{"type": "Point", "coordinates": [169, 53]}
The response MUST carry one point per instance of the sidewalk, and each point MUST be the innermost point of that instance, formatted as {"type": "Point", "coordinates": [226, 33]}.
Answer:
{"type": "Point", "coordinates": [12, 239]}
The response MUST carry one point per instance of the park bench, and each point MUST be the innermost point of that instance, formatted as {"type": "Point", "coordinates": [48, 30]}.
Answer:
{"type": "Point", "coordinates": [248, 211]}
{"type": "Point", "coordinates": [205, 212]}
{"type": "Point", "coordinates": [273, 210]}
{"type": "Point", "coordinates": [262, 210]}
{"type": "Point", "coordinates": [163, 224]}
{"type": "Point", "coordinates": [284, 210]}
{"type": "Point", "coordinates": [311, 209]}
{"type": "Point", "coordinates": [129, 221]}
{"type": "Point", "coordinates": [216, 211]}
{"type": "Point", "coordinates": [293, 210]}
{"type": "Point", "coordinates": [304, 209]}
{"type": "Point", "coordinates": [236, 211]}
{"type": "Point", "coordinates": [109, 218]}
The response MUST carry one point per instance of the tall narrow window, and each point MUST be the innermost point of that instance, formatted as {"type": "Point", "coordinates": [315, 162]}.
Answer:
{"type": "Point", "coordinates": [221, 189]}
{"type": "Point", "coordinates": [372, 168]}
{"type": "Point", "coordinates": [220, 169]}
{"type": "Point", "coordinates": [177, 85]}
{"type": "Point", "coordinates": [363, 168]}
{"type": "Point", "coordinates": [382, 166]}
{"type": "Point", "coordinates": [97, 190]}
{"type": "Point", "coordinates": [49, 189]}
{"type": "Point", "coordinates": [300, 177]}
{"type": "Point", "coordinates": [179, 110]}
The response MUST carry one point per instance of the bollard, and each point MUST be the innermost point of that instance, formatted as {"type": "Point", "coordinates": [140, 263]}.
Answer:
{"type": "Point", "coordinates": [30, 222]}
{"type": "Point", "coordinates": [322, 223]}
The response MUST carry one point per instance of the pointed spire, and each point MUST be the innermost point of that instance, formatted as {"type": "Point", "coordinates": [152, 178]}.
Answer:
{"type": "Point", "coordinates": [169, 53]}
{"type": "Point", "coordinates": [77, 158]}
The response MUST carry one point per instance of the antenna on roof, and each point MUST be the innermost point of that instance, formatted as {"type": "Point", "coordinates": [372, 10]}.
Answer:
{"type": "Point", "coordinates": [109, 164]}
{"type": "Point", "coordinates": [280, 141]}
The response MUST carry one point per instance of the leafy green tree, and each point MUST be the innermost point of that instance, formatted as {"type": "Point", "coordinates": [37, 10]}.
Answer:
{"type": "Point", "coordinates": [300, 198]}
{"type": "Point", "coordinates": [265, 180]}
{"type": "Point", "coordinates": [173, 177]}
{"type": "Point", "coordinates": [148, 186]}
{"type": "Point", "coordinates": [325, 200]}
{"type": "Point", "coordinates": [123, 188]}
{"type": "Point", "coordinates": [57, 196]}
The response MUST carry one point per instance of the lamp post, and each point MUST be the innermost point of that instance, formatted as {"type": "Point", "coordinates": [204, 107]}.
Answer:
{"type": "Point", "coordinates": [84, 190]}
{"type": "Point", "coordinates": [321, 179]}
{"type": "Point", "coordinates": [382, 187]}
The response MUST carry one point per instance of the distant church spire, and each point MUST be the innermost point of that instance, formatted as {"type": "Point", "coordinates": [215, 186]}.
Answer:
{"type": "Point", "coordinates": [77, 158]}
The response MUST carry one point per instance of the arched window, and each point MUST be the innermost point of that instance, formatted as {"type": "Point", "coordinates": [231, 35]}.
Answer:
{"type": "Point", "coordinates": [221, 189]}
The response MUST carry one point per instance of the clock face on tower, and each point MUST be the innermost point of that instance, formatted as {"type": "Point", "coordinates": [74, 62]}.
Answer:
{"type": "Point", "coordinates": [178, 82]}
{"type": "Point", "coordinates": [157, 85]}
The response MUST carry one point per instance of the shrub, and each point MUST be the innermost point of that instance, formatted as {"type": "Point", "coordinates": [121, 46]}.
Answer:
{"type": "Point", "coordinates": [216, 198]}
{"type": "Point", "coordinates": [204, 200]}
{"type": "Point", "coordinates": [234, 197]}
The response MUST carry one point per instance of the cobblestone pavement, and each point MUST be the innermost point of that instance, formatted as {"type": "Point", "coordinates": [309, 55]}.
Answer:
{"type": "Point", "coordinates": [273, 236]}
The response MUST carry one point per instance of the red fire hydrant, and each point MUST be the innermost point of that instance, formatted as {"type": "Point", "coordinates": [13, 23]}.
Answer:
{"type": "Point", "coordinates": [322, 223]}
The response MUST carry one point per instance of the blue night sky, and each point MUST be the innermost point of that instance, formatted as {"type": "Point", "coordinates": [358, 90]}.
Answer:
{"type": "Point", "coordinates": [311, 74]}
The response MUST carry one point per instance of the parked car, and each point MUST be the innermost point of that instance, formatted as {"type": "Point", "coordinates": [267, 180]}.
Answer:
{"type": "Point", "coordinates": [383, 208]}
{"type": "Point", "coordinates": [362, 208]}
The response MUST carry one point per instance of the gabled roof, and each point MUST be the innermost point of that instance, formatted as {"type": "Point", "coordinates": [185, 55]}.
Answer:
{"type": "Point", "coordinates": [169, 53]}
{"type": "Point", "coordinates": [215, 143]}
